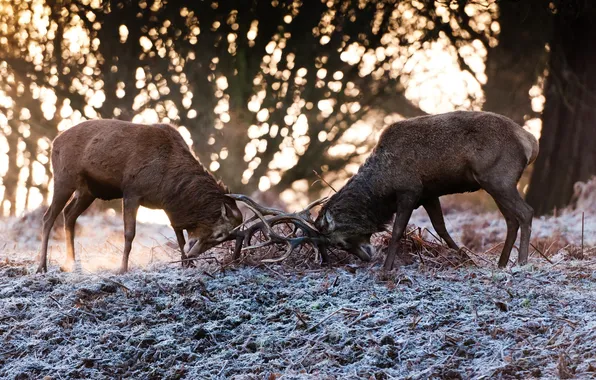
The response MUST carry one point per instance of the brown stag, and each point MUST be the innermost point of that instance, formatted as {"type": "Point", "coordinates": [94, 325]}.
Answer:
{"type": "Point", "coordinates": [418, 160]}
{"type": "Point", "coordinates": [414, 163]}
{"type": "Point", "coordinates": [145, 165]}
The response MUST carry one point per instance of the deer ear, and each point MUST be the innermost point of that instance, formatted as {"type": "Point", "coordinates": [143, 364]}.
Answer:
{"type": "Point", "coordinates": [329, 221]}
{"type": "Point", "coordinates": [227, 212]}
{"type": "Point", "coordinates": [225, 189]}
{"type": "Point", "coordinates": [235, 212]}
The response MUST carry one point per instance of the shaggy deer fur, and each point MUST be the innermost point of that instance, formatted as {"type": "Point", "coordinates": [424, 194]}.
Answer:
{"type": "Point", "coordinates": [145, 165]}
{"type": "Point", "coordinates": [418, 160]}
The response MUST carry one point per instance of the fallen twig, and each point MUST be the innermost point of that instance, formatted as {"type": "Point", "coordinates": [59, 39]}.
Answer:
{"type": "Point", "coordinates": [541, 254]}
{"type": "Point", "coordinates": [326, 318]}
{"type": "Point", "coordinates": [196, 258]}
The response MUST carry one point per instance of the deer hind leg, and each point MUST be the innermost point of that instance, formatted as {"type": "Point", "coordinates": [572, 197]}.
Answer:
{"type": "Point", "coordinates": [523, 213]}
{"type": "Point", "coordinates": [130, 206]}
{"type": "Point", "coordinates": [517, 213]}
{"type": "Point", "coordinates": [433, 209]}
{"type": "Point", "coordinates": [512, 227]}
{"type": "Point", "coordinates": [73, 210]}
{"type": "Point", "coordinates": [405, 207]}
{"type": "Point", "coordinates": [61, 196]}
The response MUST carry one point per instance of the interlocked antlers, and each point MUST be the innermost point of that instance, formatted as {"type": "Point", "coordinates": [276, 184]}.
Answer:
{"type": "Point", "coordinates": [301, 220]}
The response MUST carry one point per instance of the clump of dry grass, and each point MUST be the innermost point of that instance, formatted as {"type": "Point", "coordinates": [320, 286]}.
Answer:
{"type": "Point", "coordinates": [476, 238]}
{"type": "Point", "coordinates": [429, 252]}
{"type": "Point", "coordinates": [31, 222]}
{"type": "Point", "coordinates": [303, 257]}
{"type": "Point", "coordinates": [14, 268]}
{"type": "Point", "coordinates": [549, 246]}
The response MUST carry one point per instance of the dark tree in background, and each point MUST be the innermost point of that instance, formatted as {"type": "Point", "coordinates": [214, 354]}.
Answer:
{"type": "Point", "coordinates": [568, 138]}
{"type": "Point", "coordinates": [518, 60]}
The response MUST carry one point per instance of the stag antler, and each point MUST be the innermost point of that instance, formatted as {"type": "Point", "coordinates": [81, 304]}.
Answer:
{"type": "Point", "coordinates": [302, 220]}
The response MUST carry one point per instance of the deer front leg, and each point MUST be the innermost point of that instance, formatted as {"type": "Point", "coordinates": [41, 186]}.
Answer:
{"type": "Point", "coordinates": [130, 206]}
{"type": "Point", "coordinates": [181, 244]}
{"type": "Point", "coordinates": [405, 207]}
{"type": "Point", "coordinates": [324, 256]}
{"type": "Point", "coordinates": [435, 213]}
{"type": "Point", "coordinates": [59, 200]}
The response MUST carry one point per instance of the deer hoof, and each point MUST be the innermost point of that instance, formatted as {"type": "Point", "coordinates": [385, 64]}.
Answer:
{"type": "Point", "coordinates": [406, 259]}
{"type": "Point", "coordinates": [363, 256]}
{"type": "Point", "coordinates": [68, 266]}
{"type": "Point", "coordinates": [397, 262]}
{"type": "Point", "coordinates": [388, 266]}
{"type": "Point", "coordinates": [41, 269]}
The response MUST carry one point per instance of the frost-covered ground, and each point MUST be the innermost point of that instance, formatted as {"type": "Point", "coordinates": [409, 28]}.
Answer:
{"type": "Point", "coordinates": [223, 320]}
{"type": "Point", "coordinates": [256, 323]}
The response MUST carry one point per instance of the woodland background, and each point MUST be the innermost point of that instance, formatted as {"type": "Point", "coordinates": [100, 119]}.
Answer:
{"type": "Point", "coordinates": [268, 92]}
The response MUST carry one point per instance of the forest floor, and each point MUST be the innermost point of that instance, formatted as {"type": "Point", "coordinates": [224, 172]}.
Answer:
{"type": "Point", "coordinates": [448, 315]}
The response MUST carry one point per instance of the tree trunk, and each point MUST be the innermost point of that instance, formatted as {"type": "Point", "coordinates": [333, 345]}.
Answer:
{"type": "Point", "coordinates": [11, 179]}
{"type": "Point", "coordinates": [519, 58]}
{"type": "Point", "coordinates": [567, 148]}
{"type": "Point", "coordinates": [29, 183]}
{"type": "Point", "coordinates": [234, 138]}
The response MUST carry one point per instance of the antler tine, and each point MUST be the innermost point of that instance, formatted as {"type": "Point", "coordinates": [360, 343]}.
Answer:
{"type": "Point", "coordinates": [244, 236]}
{"type": "Point", "coordinates": [238, 247]}
{"type": "Point", "coordinates": [292, 244]}
{"type": "Point", "coordinates": [301, 220]}
{"type": "Point", "coordinates": [252, 205]}
{"type": "Point", "coordinates": [305, 213]}
{"type": "Point", "coordinates": [271, 234]}
{"type": "Point", "coordinates": [237, 229]}
{"type": "Point", "coordinates": [250, 231]}
{"type": "Point", "coordinates": [250, 202]}
{"type": "Point", "coordinates": [315, 203]}
{"type": "Point", "coordinates": [260, 216]}
{"type": "Point", "coordinates": [251, 219]}
{"type": "Point", "coordinates": [296, 220]}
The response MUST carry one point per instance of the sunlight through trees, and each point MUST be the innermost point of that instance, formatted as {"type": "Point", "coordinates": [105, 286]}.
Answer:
{"type": "Point", "coordinates": [265, 92]}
